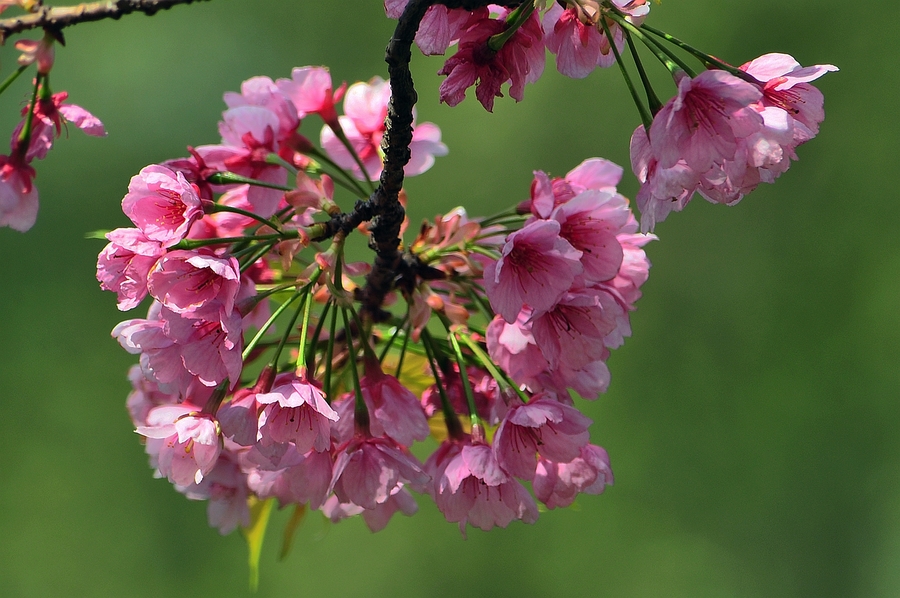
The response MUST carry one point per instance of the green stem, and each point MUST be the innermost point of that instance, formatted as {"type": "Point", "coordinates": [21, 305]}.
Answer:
{"type": "Point", "coordinates": [360, 412]}
{"type": "Point", "coordinates": [217, 207]}
{"type": "Point", "coordinates": [514, 20]}
{"type": "Point", "coordinates": [672, 62]}
{"type": "Point", "coordinates": [25, 135]}
{"type": "Point", "coordinates": [350, 179]}
{"type": "Point", "coordinates": [311, 351]}
{"type": "Point", "coordinates": [265, 327]}
{"type": "Point", "coordinates": [12, 77]}
{"type": "Point", "coordinates": [304, 326]}
{"type": "Point", "coordinates": [339, 133]}
{"type": "Point", "coordinates": [701, 56]}
{"type": "Point", "coordinates": [230, 178]}
{"type": "Point", "coordinates": [403, 351]}
{"type": "Point", "coordinates": [646, 117]}
{"type": "Point", "coordinates": [454, 429]}
{"type": "Point", "coordinates": [329, 353]}
{"type": "Point", "coordinates": [498, 375]}
{"type": "Point", "coordinates": [464, 376]}
{"type": "Point", "coordinates": [652, 99]}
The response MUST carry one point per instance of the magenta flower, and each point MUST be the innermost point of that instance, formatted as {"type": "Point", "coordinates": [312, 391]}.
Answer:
{"type": "Point", "coordinates": [543, 426]}
{"type": "Point", "coordinates": [557, 484]}
{"type": "Point", "coordinates": [369, 470]}
{"type": "Point", "coordinates": [439, 27]}
{"type": "Point", "coordinates": [296, 412]}
{"type": "Point", "coordinates": [471, 488]}
{"type": "Point", "coordinates": [184, 442]}
{"type": "Point", "coordinates": [703, 124]}
{"type": "Point", "coordinates": [535, 268]}
{"type": "Point", "coordinates": [123, 265]}
{"type": "Point", "coordinates": [162, 204]}
{"type": "Point", "coordinates": [194, 283]}
{"type": "Point", "coordinates": [519, 61]}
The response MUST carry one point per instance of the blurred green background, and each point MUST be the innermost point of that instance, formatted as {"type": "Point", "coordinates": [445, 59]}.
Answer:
{"type": "Point", "coordinates": [752, 418]}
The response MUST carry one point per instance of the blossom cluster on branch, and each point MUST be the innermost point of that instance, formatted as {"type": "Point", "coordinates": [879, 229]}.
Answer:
{"type": "Point", "coordinates": [272, 369]}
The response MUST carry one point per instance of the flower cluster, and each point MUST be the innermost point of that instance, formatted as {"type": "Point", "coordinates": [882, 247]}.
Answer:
{"type": "Point", "coordinates": [725, 131]}
{"type": "Point", "coordinates": [722, 135]}
{"type": "Point", "coordinates": [42, 123]}
{"type": "Point", "coordinates": [497, 46]}
{"type": "Point", "coordinates": [261, 377]}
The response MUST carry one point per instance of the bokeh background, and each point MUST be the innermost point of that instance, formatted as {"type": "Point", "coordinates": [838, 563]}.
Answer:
{"type": "Point", "coordinates": [753, 417]}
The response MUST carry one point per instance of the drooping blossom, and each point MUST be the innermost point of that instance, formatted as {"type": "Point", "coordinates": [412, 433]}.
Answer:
{"type": "Point", "coordinates": [543, 426]}
{"type": "Point", "coordinates": [519, 61]}
{"type": "Point", "coordinates": [184, 442]}
{"type": "Point", "coordinates": [394, 411]}
{"type": "Point", "coordinates": [368, 471]}
{"type": "Point", "coordinates": [296, 412]}
{"type": "Point", "coordinates": [574, 35]}
{"type": "Point", "coordinates": [471, 488]}
{"type": "Point", "coordinates": [225, 487]}
{"type": "Point", "coordinates": [18, 195]}
{"type": "Point", "coordinates": [557, 484]}
{"type": "Point", "coordinates": [439, 27]}
{"type": "Point", "coordinates": [705, 121]}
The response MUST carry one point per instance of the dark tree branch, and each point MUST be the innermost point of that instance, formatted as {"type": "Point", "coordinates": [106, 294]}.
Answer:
{"type": "Point", "coordinates": [57, 18]}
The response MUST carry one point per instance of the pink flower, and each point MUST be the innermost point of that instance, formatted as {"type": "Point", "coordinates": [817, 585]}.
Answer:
{"type": "Point", "coordinates": [574, 35]}
{"type": "Point", "coordinates": [535, 268]}
{"type": "Point", "coordinates": [376, 519]}
{"type": "Point", "coordinates": [471, 488]}
{"type": "Point", "coordinates": [703, 124]}
{"type": "Point", "coordinates": [123, 265]}
{"type": "Point", "coordinates": [394, 410]}
{"type": "Point", "coordinates": [439, 27]}
{"type": "Point", "coordinates": [185, 442]}
{"type": "Point", "coordinates": [557, 484]}
{"type": "Point", "coordinates": [310, 90]}
{"type": "Point", "coordinates": [369, 470]}
{"type": "Point", "coordinates": [596, 174]}
{"type": "Point", "coordinates": [543, 426]}
{"type": "Point", "coordinates": [18, 195]}
{"type": "Point", "coordinates": [194, 283]}
{"type": "Point", "coordinates": [162, 204]}
{"type": "Point", "coordinates": [250, 134]}
{"type": "Point", "coordinates": [49, 115]}
{"type": "Point", "coordinates": [298, 479]}
{"type": "Point", "coordinates": [590, 222]}
{"type": "Point", "coordinates": [572, 333]}
{"type": "Point", "coordinates": [786, 86]}
{"type": "Point", "coordinates": [225, 487]}
{"type": "Point", "coordinates": [264, 93]}
{"type": "Point", "coordinates": [365, 108]}
{"type": "Point", "coordinates": [296, 412]}
{"type": "Point", "coordinates": [177, 351]}
{"type": "Point", "coordinates": [519, 61]}
{"type": "Point", "coordinates": [663, 190]}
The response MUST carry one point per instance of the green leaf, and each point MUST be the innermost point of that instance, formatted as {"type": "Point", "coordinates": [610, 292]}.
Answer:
{"type": "Point", "coordinates": [97, 234]}
{"type": "Point", "coordinates": [290, 529]}
{"type": "Point", "coordinates": [254, 534]}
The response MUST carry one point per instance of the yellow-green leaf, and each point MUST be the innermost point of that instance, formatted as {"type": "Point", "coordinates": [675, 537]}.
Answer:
{"type": "Point", "coordinates": [255, 533]}
{"type": "Point", "coordinates": [290, 529]}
